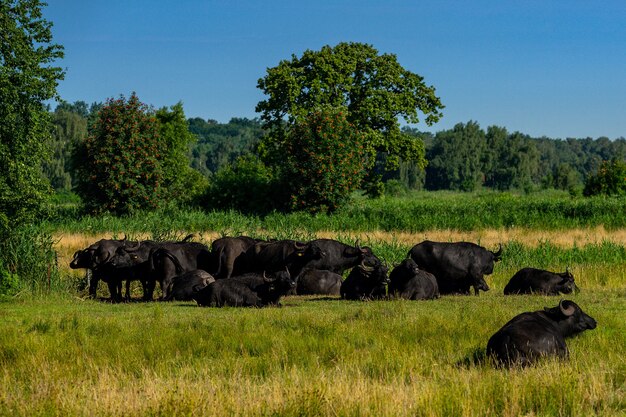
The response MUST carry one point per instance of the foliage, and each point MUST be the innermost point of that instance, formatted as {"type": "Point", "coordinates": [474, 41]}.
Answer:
{"type": "Point", "coordinates": [120, 164]}
{"type": "Point", "coordinates": [246, 185]}
{"type": "Point", "coordinates": [27, 79]}
{"type": "Point", "coordinates": [609, 180]}
{"type": "Point", "coordinates": [220, 144]}
{"type": "Point", "coordinates": [179, 179]}
{"type": "Point", "coordinates": [374, 89]}
{"type": "Point", "coordinates": [455, 159]}
{"type": "Point", "coordinates": [70, 127]}
{"type": "Point", "coordinates": [323, 159]}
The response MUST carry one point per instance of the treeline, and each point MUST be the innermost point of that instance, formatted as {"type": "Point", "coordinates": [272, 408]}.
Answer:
{"type": "Point", "coordinates": [463, 158]}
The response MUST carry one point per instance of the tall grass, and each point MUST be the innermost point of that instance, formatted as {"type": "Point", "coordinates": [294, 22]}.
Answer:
{"type": "Point", "coordinates": [417, 213]}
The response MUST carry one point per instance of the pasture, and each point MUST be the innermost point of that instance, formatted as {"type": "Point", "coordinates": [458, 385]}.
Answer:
{"type": "Point", "coordinates": [62, 354]}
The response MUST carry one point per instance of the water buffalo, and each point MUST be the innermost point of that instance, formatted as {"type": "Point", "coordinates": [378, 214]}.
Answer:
{"type": "Point", "coordinates": [532, 280]}
{"type": "Point", "coordinates": [184, 285]}
{"type": "Point", "coordinates": [162, 261]}
{"type": "Point", "coordinates": [408, 281]}
{"type": "Point", "coordinates": [315, 281]}
{"type": "Point", "coordinates": [456, 266]}
{"type": "Point", "coordinates": [276, 256]}
{"type": "Point", "coordinates": [248, 290]}
{"type": "Point", "coordinates": [366, 281]}
{"type": "Point", "coordinates": [532, 335]}
{"type": "Point", "coordinates": [229, 254]}
{"type": "Point", "coordinates": [96, 258]}
{"type": "Point", "coordinates": [338, 257]}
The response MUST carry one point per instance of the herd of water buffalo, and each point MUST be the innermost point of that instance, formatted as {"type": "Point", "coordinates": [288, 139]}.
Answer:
{"type": "Point", "coordinates": [248, 272]}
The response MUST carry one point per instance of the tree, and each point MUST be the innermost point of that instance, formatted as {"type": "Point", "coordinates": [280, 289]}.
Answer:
{"type": "Point", "coordinates": [323, 161]}
{"type": "Point", "coordinates": [120, 164]}
{"type": "Point", "coordinates": [455, 158]}
{"type": "Point", "coordinates": [510, 160]}
{"type": "Point", "coordinates": [175, 139]}
{"type": "Point", "coordinates": [70, 127]}
{"type": "Point", "coordinates": [27, 78]}
{"type": "Point", "coordinates": [373, 90]}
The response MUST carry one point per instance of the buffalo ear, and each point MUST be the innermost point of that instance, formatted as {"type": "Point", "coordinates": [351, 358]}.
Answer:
{"type": "Point", "coordinates": [567, 307]}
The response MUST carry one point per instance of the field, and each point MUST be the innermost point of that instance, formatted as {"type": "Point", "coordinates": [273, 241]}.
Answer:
{"type": "Point", "coordinates": [64, 355]}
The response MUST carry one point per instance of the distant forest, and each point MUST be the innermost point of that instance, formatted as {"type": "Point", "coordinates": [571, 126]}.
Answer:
{"type": "Point", "coordinates": [463, 158]}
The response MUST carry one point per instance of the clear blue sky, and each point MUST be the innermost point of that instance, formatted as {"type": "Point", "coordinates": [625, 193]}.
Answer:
{"type": "Point", "coordinates": [542, 67]}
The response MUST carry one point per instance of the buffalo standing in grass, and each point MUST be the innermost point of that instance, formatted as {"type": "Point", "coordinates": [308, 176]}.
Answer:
{"type": "Point", "coordinates": [316, 282]}
{"type": "Point", "coordinates": [248, 290]}
{"type": "Point", "coordinates": [338, 257]}
{"type": "Point", "coordinates": [456, 266]}
{"type": "Point", "coordinates": [229, 254]}
{"type": "Point", "coordinates": [96, 258]}
{"type": "Point", "coordinates": [408, 281]}
{"type": "Point", "coordinates": [366, 281]}
{"type": "Point", "coordinates": [275, 256]}
{"type": "Point", "coordinates": [539, 281]}
{"type": "Point", "coordinates": [530, 336]}
{"type": "Point", "coordinates": [162, 261]}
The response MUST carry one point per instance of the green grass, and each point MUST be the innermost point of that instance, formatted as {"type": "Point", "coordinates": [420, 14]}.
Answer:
{"type": "Point", "coordinates": [313, 356]}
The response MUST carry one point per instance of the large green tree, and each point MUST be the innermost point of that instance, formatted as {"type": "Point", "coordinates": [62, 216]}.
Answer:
{"type": "Point", "coordinates": [28, 77]}
{"type": "Point", "coordinates": [373, 90]}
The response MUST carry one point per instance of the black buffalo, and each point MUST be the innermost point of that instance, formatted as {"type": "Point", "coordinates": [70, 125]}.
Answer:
{"type": "Point", "coordinates": [338, 257]}
{"type": "Point", "coordinates": [539, 281]}
{"type": "Point", "coordinates": [162, 261]}
{"type": "Point", "coordinates": [96, 258]}
{"type": "Point", "coordinates": [366, 281]}
{"type": "Point", "coordinates": [532, 335]}
{"type": "Point", "coordinates": [229, 254]}
{"type": "Point", "coordinates": [248, 290]}
{"type": "Point", "coordinates": [456, 266]}
{"type": "Point", "coordinates": [184, 285]}
{"type": "Point", "coordinates": [315, 281]}
{"type": "Point", "coordinates": [276, 256]}
{"type": "Point", "coordinates": [408, 281]}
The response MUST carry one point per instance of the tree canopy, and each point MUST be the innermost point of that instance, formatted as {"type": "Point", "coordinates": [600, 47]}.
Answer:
{"type": "Point", "coordinates": [373, 89]}
{"type": "Point", "coordinates": [27, 78]}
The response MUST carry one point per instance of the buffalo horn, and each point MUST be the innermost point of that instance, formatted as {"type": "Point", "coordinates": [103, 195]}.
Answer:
{"type": "Point", "coordinates": [299, 246]}
{"type": "Point", "coordinates": [567, 308]}
{"type": "Point", "coordinates": [365, 267]}
{"type": "Point", "coordinates": [499, 252]}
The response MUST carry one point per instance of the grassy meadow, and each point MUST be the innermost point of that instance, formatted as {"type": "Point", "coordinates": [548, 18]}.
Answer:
{"type": "Point", "coordinates": [62, 354]}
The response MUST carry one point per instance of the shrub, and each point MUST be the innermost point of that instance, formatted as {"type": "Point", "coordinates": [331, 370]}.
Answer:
{"type": "Point", "coordinates": [120, 163]}
{"type": "Point", "coordinates": [323, 161]}
{"type": "Point", "coordinates": [246, 185]}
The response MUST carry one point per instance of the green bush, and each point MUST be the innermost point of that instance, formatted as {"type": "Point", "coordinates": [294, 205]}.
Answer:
{"type": "Point", "coordinates": [610, 179]}
{"type": "Point", "coordinates": [120, 163]}
{"type": "Point", "coordinates": [247, 185]}
{"type": "Point", "coordinates": [323, 161]}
